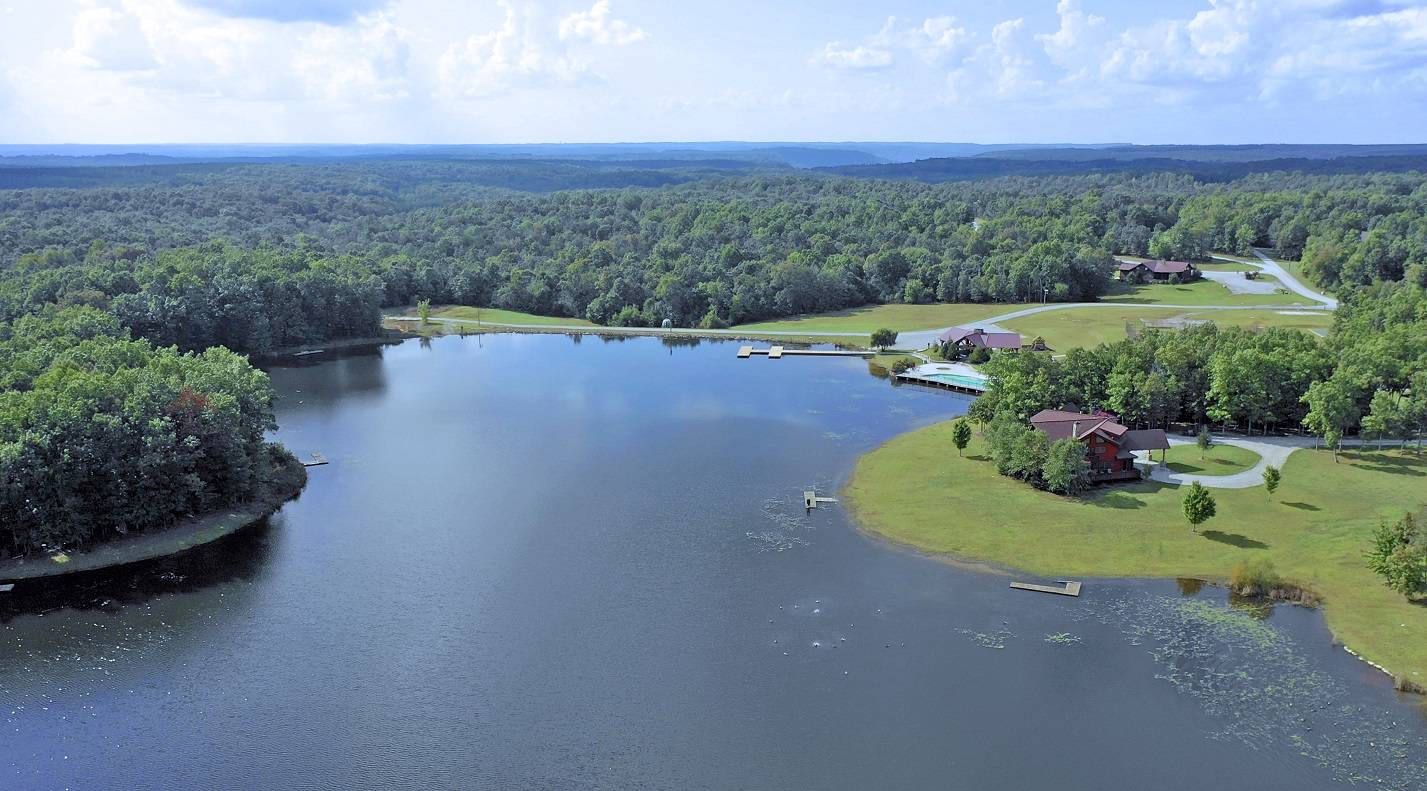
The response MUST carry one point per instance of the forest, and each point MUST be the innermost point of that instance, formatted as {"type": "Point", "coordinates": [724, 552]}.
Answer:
{"type": "Point", "coordinates": [261, 257]}
{"type": "Point", "coordinates": [127, 300]}
{"type": "Point", "coordinates": [102, 435]}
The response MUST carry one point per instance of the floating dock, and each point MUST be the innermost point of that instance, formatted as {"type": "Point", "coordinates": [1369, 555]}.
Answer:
{"type": "Point", "coordinates": [7, 587]}
{"type": "Point", "coordinates": [1067, 588]}
{"type": "Point", "coordinates": [811, 499]}
{"type": "Point", "coordinates": [775, 352]}
{"type": "Point", "coordinates": [317, 460]}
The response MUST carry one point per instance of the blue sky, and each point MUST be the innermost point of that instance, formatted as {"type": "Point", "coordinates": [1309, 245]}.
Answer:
{"type": "Point", "coordinates": [1185, 71]}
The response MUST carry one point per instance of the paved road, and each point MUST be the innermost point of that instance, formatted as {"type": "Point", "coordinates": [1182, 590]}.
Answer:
{"type": "Point", "coordinates": [1274, 268]}
{"type": "Point", "coordinates": [1273, 450]}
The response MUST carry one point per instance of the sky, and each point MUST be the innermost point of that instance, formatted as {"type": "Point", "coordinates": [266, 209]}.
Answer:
{"type": "Point", "coordinates": [521, 71]}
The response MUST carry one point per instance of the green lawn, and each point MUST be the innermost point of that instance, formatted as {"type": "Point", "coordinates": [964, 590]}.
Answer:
{"type": "Point", "coordinates": [901, 318]}
{"type": "Point", "coordinates": [1218, 265]}
{"type": "Point", "coordinates": [915, 490]}
{"type": "Point", "coordinates": [498, 316]}
{"type": "Point", "coordinates": [1078, 327]}
{"type": "Point", "coordinates": [1199, 292]}
{"type": "Point", "coordinates": [1217, 460]}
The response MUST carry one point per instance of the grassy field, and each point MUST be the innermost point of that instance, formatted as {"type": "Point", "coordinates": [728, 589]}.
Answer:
{"type": "Point", "coordinates": [1072, 327]}
{"type": "Point", "coordinates": [1217, 460]}
{"type": "Point", "coordinates": [497, 316]}
{"type": "Point", "coordinates": [901, 318]}
{"type": "Point", "coordinates": [1218, 265]}
{"type": "Point", "coordinates": [915, 490]}
{"type": "Point", "coordinates": [1200, 292]}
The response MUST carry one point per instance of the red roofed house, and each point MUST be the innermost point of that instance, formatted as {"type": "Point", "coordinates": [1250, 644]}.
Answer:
{"type": "Point", "coordinates": [1110, 446]}
{"type": "Point", "coordinates": [967, 340]}
{"type": "Point", "coordinates": [1157, 271]}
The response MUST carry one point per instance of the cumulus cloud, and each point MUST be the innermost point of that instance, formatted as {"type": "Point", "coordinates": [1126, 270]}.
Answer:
{"type": "Point", "coordinates": [860, 56]}
{"type": "Point", "coordinates": [530, 49]}
{"type": "Point", "coordinates": [931, 40]}
{"type": "Point", "coordinates": [1228, 50]}
{"type": "Point", "coordinates": [598, 26]}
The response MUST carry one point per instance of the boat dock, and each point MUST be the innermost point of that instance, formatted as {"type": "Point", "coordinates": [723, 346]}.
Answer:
{"type": "Point", "coordinates": [317, 460]}
{"type": "Point", "coordinates": [811, 499]}
{"type": "Point", "coordinates": [1069, 587]}
{"type": "Point", "coordinates": [7, 587]}
{"type": "Point", "coordinates": [956, 377]}
{"type": "Point", "coordinates": [776, 352]}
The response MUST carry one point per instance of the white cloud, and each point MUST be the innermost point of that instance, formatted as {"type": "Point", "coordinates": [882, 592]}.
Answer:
{"type": "Point", "coordinates": [596, 25]}
{"type": "Point", "coordinates": [861, 56]}
{"type": "Point", "coordinates": [530, 50]}
{"type": "Point", "coordinates": [931, 40]}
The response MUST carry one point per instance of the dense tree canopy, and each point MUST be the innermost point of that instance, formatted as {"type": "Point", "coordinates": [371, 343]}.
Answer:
{"type": "Point", "coordinates": [101, 435]}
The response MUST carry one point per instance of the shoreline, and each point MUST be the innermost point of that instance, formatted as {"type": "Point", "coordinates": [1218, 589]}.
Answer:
{"type": "Point", "coordinates": [1289, 590]}
{"type": "Point", "coordinates": [186, 534]}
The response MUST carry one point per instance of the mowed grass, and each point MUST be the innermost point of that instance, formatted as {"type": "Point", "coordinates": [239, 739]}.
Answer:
{"type": "Point", "coordinates": [1199, 292]}
{"type": "Point", "coordinates": [915, 490]}
{"type": "Point", "coordinates": [498, 316]}
{"type": "Point", "coordinates": [1083, 327]}
{"type": "Point", "coordinates": [902, 318]}
{"type": "Point", "coordinates": [1216, 460]}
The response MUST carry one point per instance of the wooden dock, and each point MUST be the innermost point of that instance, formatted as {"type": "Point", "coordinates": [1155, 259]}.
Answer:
{"type": "Point", "coordinates": [1068, 588]}
{"type": "Point", "coordinates": [811, 499]}
{"type": "Point", "coordinates": [7, 587]}
{"type": "Point", "coordinates": [317, 460]}
{"type": "Point", "coordinates": [777, 352]}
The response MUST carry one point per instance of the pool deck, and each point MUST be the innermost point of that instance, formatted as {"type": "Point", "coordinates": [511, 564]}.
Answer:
{"type": "Point", "coordinates": [970, 381]}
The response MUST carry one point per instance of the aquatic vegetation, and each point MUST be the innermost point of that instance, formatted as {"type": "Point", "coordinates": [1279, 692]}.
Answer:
{"type": "Point", "coordinates": [1062, 638]}
{"type": "Point", "coordinates": [1253, 679]}
{"type": "Point", "coordinates": [995, 639]}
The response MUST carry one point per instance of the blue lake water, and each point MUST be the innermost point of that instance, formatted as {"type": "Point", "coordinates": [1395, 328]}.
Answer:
{"type": "Point", "coordinates": [538, 561]}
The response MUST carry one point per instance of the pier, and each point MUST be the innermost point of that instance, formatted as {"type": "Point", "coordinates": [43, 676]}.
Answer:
{"type": "Point", "coordinates": [776, 352]}
{"type": "Point", "coordinates": [7, 587]}
{"type": "Point", "coordinates": [811, 499]}
{"type": "Point", "coordinates": [1068, 588]}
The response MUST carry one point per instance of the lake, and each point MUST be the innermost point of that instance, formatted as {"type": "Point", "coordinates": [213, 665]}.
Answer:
{"type": "Point", "coordinates": [539, 561]}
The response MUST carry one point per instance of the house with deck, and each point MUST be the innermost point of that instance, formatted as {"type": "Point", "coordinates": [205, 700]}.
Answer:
{"type": "Point", "coordinates": [1157, 271]}
{"type": "Point", "coordinates": [1110, 446]}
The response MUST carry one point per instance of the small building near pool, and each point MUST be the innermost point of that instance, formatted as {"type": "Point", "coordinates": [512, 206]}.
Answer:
{"type": "Point", "coordinates": [967, 341]}
{"type": "Point", "coordinates": [1110, 446]}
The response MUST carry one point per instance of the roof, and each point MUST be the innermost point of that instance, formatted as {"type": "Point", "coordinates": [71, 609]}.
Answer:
{"type": "Point", "coordinates": [1157, 267]}
{"type": "Point", "coordinates": [982, 338]}
{"type": "Point", "coordinates": [1060, 424]}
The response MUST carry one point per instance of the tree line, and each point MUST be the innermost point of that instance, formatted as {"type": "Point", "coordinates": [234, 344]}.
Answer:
{"type": "Point", "coordinates": [714, 251]}
{"type": "Point", "coordinates": [1369, 376]}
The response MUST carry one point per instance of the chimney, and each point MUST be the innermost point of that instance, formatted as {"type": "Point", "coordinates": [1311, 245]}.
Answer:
{"type": "Point", "coordinates": [979, 331]}
{"type": "Point", "coordinates": [1075, 429]}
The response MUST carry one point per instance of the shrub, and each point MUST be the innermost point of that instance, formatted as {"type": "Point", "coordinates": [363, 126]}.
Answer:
{"type": "Point", "coordinates": [1254, 577]}
{"type": "Point", "coordinates": [903, 364]}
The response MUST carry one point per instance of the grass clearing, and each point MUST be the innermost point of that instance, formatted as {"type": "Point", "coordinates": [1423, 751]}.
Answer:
{"type": "Point", "coordinates": [498, 316]}
{"type": "Point", "coordinates": [1199, 292]}
{"type": "Point", "coordinates": [902, 318]}
{"type": "Point", "coordinates": [917, 491]}
{"type": "Point", "coordinates": [1217, 460]}
{"type": "Point", "coordinates": [1083, 327]}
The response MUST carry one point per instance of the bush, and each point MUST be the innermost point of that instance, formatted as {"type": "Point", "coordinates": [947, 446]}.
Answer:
{"type": "Point", "coordinates": [979, 355]}
{"type": "Point", "coordinates": [1066, 470]}
{"type": "Point", "coordinates": [903, 364]}
{"type": "Point", "coordinates": [1254, 577]}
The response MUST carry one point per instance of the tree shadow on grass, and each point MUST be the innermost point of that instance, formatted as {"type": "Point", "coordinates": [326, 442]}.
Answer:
{"type": "Point", "coordinates": [1303, 506]}
{"type": "Point", "coordinates": [1233, 539]}
{"type": "Point", "coordinates": [979, 457]}
{"type": "Point", "coordinates": [1120, 500]}
{"type": "Point", "coordinates": [1381, 462]}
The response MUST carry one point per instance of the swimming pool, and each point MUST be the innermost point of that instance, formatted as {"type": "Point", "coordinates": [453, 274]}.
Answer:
{"type": "Point", "coordinates": [972, 382]}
